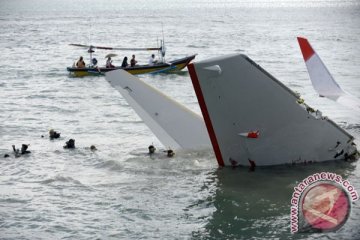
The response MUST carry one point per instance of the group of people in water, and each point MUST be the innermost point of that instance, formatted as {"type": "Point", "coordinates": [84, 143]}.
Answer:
{"type": "Point", "coordinates": [70, 144]}
{"type": "Point", "coordinates": [81, 63]}
{"type": "Point", "coordinates": [169, 152]}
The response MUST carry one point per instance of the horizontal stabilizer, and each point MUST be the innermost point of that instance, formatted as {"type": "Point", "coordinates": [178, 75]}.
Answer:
{"type": "Point", "coordinates": [172, 123]}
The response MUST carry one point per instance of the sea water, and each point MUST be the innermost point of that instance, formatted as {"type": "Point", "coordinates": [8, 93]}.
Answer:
{"type": "Point", "coordinates": [118, 191]}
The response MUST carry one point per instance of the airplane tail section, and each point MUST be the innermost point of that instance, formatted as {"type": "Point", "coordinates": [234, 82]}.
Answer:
{"type": "Point", "coordinates": [172, 123]}
{"type": "Point", "coordinates": [321, 79]}
{"type": "Point", "coordinates": [253, 118]}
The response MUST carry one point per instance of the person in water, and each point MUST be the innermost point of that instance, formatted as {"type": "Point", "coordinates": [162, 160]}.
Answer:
{"type": "Point", "coordinates": [109, 63]}
{"type": "Point", "coordinates": [125, 62]}
{"type": "Point", "coordinates": [24, 148]}
{"type": "Point", "coordinates": [170, 153]}
{"type": "Point", "coordinates": [133, 62]}
{"type": "Point", "coordinates": [16, 151]}
{"type": "Point", "coordinates": [252, 165]}
{"type": "Point", "coordinates": [152, 149]}
{"type": "Point", "coordinates": [23, 151]}
{"type": "Point", "coordinates": [53, 134]}
{"type": "Point", "coordinates": [70, 144]}
{"type": "Point", "coordinates": [80, 63]}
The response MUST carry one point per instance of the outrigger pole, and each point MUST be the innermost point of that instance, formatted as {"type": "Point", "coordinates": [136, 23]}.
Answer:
{"type": "Point", "coordinates": [160, 49]}
{"type": "Point", "coordinates": [115, 48]}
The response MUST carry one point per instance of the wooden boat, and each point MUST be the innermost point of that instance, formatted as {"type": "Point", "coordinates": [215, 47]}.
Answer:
{"type": "Point", "coordinates": [164, 67]}
{"type": "Point", "coordinates": [161, 66]}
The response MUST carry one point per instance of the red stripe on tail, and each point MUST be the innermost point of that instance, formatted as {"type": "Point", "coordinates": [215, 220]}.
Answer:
{"type": "Point", "coordinates": [205, 114]}
{"type": "Point", "coordinates": [306, 48]}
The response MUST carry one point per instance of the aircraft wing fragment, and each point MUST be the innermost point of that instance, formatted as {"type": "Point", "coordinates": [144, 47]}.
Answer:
{"type": "Point", "coordinates": [173, 124]}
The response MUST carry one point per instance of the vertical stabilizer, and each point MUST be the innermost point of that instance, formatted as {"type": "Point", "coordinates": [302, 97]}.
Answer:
{"type": "Point", "coordinates": [320, 76]}
{"type": "Point", "coordinates": [253, 118]}
{"type": "Point", "coordinates": [321, 79]}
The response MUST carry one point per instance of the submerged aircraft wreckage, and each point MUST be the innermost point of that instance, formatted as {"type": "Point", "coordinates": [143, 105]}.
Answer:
{"type": "Point", "coordinates": [249, 117]}
{"type": "Point", "coordinates": [173, 124]}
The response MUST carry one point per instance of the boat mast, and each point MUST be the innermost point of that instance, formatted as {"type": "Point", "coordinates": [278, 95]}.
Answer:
{"type": "Point", "coordinates": [162, 47]}
{"type": "Point", "coordinates": [90, 51]}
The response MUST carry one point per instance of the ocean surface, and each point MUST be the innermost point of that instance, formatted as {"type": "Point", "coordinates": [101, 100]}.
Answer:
{"type": "Point", "coordinates": [118, 191]}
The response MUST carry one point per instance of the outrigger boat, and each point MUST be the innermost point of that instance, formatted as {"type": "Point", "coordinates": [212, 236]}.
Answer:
{"type": "Point", "coordinates": [161, 66]}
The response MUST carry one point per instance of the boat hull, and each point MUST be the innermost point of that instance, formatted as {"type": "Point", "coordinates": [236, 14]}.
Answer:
{"type": "Point", "coordinates": [172, 66]}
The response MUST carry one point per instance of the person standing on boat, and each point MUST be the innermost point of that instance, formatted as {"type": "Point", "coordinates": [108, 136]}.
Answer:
{"type": "Point", "coordinates": [109, 63]}
{"type": "Point", "coordinates": [125, 63]}
{"type": "Point", "coordinates": [80, 63]}
{"type": "Point", "coordinates": [152, 59]}
{"type": "Point", "coordinates": [133, 62]}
